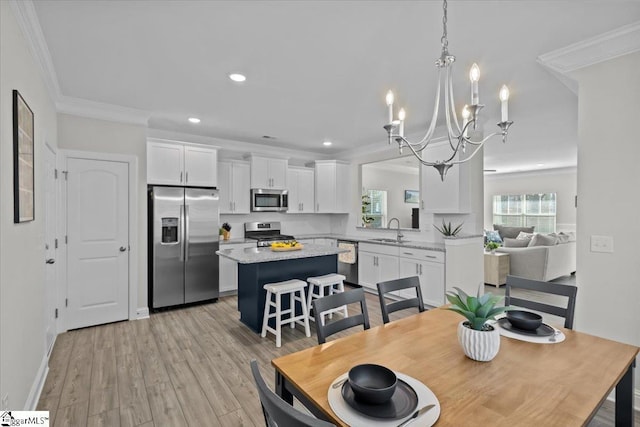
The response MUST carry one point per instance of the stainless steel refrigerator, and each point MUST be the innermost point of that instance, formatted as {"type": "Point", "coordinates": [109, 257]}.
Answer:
{"type": "Point", "coordinates": [183, 240]}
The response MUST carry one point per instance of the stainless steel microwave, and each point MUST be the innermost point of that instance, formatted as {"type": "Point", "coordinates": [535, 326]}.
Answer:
{"type": "Point", "coordinates": [266, 200]}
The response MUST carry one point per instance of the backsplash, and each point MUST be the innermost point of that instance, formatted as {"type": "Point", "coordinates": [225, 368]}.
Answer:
{"type": "Point", "coordinates": [295, 224]}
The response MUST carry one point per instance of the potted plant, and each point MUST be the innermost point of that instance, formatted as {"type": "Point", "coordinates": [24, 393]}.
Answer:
{"type": "Point", "coordinates": [448, 229]}
{"type": "Point", "coordinates": [366, 202]}
{"type": "Point", "coordinates": [225, 231]}
{"type": "Point", "coordinates": [479, 340]}
{"type": "Point", "coordinates": [491, 247]}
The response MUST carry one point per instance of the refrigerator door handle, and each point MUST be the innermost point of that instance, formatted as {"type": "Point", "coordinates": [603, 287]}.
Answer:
{"type": "Point", "coordinates": [186, 233]}
{"type": "Point", "coordinates": [182, 234]}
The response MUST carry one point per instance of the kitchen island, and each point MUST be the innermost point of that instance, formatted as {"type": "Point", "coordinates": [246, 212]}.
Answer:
{"type": "Point", "coordinates": [258, 266]}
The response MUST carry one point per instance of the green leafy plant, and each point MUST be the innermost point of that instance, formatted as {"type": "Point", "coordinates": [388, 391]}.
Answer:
{"type": "Point", "coordinates": [448, 229]}
{"type": "Point", "coordinates": [366, 202]}
{"type": "Point", "coordinates": [491, 246]}
{"type": "Point", "coordinates": [476, 309]}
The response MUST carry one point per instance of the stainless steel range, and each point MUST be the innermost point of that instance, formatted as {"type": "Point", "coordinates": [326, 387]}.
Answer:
{"type": "Point", "coordinates": [265, 233]}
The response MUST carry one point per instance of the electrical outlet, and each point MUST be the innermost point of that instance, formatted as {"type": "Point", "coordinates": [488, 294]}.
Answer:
{"type": "Point", "coordinates": [602, 244]}
{"type": "Point", "coordinates": [5, 402]}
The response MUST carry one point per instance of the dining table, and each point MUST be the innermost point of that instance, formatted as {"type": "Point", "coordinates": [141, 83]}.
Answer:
{"type": "Point", "coordinates": [551, 384]}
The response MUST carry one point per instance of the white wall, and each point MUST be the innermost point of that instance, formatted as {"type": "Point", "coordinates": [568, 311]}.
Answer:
{"type": "Point", "coordinates": [22, 348]}
{"type": "Point", "coordinates": [563, 182]}
{"type": "Point", "coordinates": [608, 203]}
{"type": "Point", "coordinates": [81, 133]}
{"type": "Point", "coordinates": [394, 182]}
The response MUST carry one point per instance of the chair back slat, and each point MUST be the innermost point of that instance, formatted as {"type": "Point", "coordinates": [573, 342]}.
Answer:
{"type": "Point", "coordinates": [276, 411]}
{"type": "Point", "coordinates": [569, 291]}
{"type": "Point", "coordinates": [397, 285]}
{"type": "Point", "coordinates": [329, 302]}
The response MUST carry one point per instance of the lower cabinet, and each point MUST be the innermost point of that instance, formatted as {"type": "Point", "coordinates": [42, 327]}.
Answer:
{"type": "Point", "coordinates": [228, 275]}
{"type": "Point", "coordinates": [429, 267]}
{"type": "Point", "coordinates": [378, 263]}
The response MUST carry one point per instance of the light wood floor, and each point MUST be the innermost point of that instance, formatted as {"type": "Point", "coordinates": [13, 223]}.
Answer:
{"type": "Point", "coordinates": [181, 367]}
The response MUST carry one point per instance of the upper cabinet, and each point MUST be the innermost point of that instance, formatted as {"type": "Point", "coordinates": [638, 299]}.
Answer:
{"type": "Point", "coordinates": [268, 172]}
{"type": "Point", "coordinates": [301, 190]}
{"type": "Point", "coordinates": [173, 163]}
{"type": "Point", "coordinates": [332, 183]}
{"type": "Point", "coordinates": [234, 179]}
{"type": "Point", "coordinates": [454, 194]}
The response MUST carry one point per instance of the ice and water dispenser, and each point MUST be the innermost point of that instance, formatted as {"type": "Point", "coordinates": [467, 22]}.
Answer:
{"type": "Point", "coordinates": [169, 230]}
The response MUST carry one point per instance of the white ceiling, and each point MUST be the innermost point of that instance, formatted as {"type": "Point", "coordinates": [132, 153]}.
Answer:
{"type": "Point", "coordinates": [319, 70]}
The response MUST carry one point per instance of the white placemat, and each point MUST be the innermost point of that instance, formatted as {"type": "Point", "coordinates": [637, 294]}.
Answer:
{"type": "Point", "coordinates": [529, 338]}
{"type": "Point", "coordinates": [355, 419]}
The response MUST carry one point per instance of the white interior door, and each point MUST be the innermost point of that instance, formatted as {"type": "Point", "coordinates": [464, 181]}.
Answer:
{"type": "Point", "coordinates": [98, 247]}
{"type": "Point", "coordinates": [50, 246]}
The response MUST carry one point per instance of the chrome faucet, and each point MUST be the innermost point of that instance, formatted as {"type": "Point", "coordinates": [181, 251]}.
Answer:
{"type": "Point", "coordinates": [400, 235]}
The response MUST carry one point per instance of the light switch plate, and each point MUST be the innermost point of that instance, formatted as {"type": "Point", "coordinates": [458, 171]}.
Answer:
{"type": "Point", "coordinates": [602, 244]}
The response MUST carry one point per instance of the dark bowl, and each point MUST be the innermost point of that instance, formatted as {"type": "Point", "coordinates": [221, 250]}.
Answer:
{"type": "Point", "coordinates": [524, 319]}
{"type": "Point", "coordinates": [372, 384]}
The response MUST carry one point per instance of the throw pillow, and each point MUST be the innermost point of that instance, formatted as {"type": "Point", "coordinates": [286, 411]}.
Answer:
{"type": "Point", "coordinates": [524, 236]}
{"type": "Point", "coordinates": [515, 243]}
{"type": "Point", "coordinates": [542, 240]}
{"type": "Point", "coordinates": [511, 232]}
{"type": "Point", "coordinates": [493, 236]}
{"type": "Point", "coordinates": [570, 234]}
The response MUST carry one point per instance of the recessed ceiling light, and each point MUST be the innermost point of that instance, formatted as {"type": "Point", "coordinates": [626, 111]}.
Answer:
{"type": "Point", "coordinates": [194, 120]}
{"type": "Point", "coordinates": [327, 143]}
{"type": "Point", "coordinates": [237, 77]}
{"type": "Point", "coordinates": [540, 164]}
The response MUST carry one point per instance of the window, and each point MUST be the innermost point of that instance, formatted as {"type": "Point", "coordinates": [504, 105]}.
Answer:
{"type": "Point", "coordinates": [377, 209]}
{"type": "Point", "coordinates": [526, 210]}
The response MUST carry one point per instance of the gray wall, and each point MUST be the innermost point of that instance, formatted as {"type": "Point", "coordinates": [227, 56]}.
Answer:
{"type": "Point", "coordinates": [22, 341]}
{"type": "Point", "coordinates": [608, 203]}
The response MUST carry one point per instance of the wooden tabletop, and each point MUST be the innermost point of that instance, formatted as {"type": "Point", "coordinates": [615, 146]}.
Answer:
{"type": "Point", "coordinates": [526, 384]}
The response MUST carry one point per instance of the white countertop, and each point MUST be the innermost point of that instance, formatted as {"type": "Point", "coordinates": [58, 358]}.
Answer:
{"type": "Point", "coordinates": [257, 255]}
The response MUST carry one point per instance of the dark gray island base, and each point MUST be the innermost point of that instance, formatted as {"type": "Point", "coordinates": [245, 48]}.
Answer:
{"type": "Point", "coordinates": [252, 277]}
{"type": "Point", "coordinates": [259, 266]}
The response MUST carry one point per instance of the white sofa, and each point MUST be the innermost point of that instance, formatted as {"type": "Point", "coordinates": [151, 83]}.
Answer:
{"type": "Point", "coordinates": [542, 262]}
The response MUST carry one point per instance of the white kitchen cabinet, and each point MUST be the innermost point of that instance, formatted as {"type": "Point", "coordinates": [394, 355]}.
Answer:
{"type": "Point", "coordinates": [228, 269]}
{"type": "Point", "coordinates": [377, 263]}
{"type": "Point", "coordinates": [301, 190]}
{"type": "Point", "coordinates": [173, 163]}
{"type": "Point", "coordinates": [429, 267]}
{"type": "Point", "coordinates": [332, 184]}
{"type": "Point", "coordinates": [234, 187]}
{"type": "Point", "coordinates": [267, 172]}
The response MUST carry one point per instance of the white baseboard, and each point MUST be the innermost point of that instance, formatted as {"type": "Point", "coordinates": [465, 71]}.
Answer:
{"type": "Point", "coordinates": [38, 384]}
{"type": "Point", "coordinates": [142, 313]}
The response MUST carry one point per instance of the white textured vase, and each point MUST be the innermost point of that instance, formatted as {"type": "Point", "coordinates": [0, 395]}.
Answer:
{"type": "Point", "coordinates": [479, 345]}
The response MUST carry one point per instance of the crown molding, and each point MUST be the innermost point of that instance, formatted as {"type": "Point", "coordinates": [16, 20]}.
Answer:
{"type": "Point", "coordinates": [27, 18]}
{"type": "Point", "coordinates": [98, 110]}
{"type": "Point", "coordinates": [531, 173]}
{"type": "Point", "coordinates": [613, 44]}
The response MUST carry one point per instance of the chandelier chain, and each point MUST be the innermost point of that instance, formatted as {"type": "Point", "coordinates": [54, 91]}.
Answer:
{"type": "Point", "coordinates": [443, 39]}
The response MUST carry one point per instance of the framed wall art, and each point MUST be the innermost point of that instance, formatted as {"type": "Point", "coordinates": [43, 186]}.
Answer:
{"type": "Point", "coordinates": [411, 196]}
{"type": "Point", "coordinates": [23, 165]}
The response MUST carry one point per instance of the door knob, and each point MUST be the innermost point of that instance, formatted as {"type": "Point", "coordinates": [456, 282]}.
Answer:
{"type": "Point", "coordinates": [50, 261]}
{"type": "Point", "coordinates": [122, 249]}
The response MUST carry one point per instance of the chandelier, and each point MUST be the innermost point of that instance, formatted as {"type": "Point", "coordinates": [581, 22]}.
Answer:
{"type": "Point", "coordinates": [458, 136]}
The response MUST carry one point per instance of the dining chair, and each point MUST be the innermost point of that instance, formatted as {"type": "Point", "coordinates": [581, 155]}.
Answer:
{"type": "Point", "coordinates": [330, 302]}
{"type": "Point", "coordinates": [276, 411]}
{"type": "Point", "coordinates": [569, 291]}
{"type": "Point", "coordinates": [412, 282]}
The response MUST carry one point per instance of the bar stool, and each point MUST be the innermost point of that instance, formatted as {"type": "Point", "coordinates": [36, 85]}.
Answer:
{"type": "Point", "coordinates": [291, 288]}
{"type": "Point", "coordinates": [335, 284]}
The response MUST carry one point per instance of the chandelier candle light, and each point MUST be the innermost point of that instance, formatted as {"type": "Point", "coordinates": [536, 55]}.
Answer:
{"type": "Point", "coordinates": [457, 136]}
